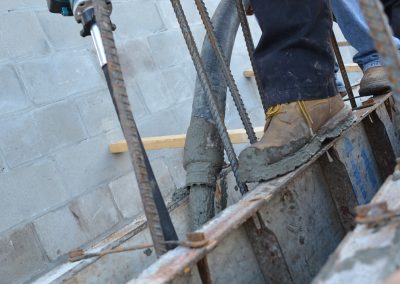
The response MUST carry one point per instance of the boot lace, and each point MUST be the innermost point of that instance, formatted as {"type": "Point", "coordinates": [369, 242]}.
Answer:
{"type": "Point", "coordinates": [277, 109]}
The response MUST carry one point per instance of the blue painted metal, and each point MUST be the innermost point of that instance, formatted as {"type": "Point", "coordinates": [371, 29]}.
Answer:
{"type": "Point", "coordinates": [355, 153]}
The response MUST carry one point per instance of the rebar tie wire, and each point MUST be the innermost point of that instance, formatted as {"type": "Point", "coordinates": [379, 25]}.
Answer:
{"type": "Point", "coordinates": [209, 96]}
{"type": "Point", "coordinates": [388, 53]}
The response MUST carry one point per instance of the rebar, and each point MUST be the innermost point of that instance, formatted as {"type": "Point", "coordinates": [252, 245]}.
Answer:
{"type": "Point", "coordinates": [383, 39]}
{"type": "Point", "coordinates": [147, 184]}
{"type": "Point", "coordinates": [250, 49]}
{"type": "Point", "coordinates": [202, 75]}
{"type": "Point", "coordinates": [201, 7]}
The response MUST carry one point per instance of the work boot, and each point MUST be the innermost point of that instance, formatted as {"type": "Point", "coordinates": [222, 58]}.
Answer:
{"type": "Point", "coordinates": [374, 82]}
{"type": "Point", "coordinates": [293, 133]}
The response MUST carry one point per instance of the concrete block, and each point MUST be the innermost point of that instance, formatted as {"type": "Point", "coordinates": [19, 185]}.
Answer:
{"type": "Point", "coordinates": [126, 191]}
{"type": "Point", "coordinates": [174, 160]}
{"type": "Point", "coordinates": [86, 218]}
{"type": "Point", "coordinates": [158, 124]}
{"type": "Point", "coordinates": [136, 19]}
{"type": "Point", "coordinates": [12, 93]}
{"type": "Point", "coordinates": [60, 232]}
{"type": "Point", "coordinates": [12, 5]}
{"type": "Point", "coordinates": [62, 32]}
{"type": "Point", "coordinates": [60, 75]}
{"type": "Point", "coordinates": [29, 191]}
{"type": "Point", "coordinates": [136, 100]}
{"type": "Point", "coordinates": [135, 58]}
{"type": "Point", "coordinates": [3, 166]}
{"type": "Point", "coordinates": [89, 164]}
{"type": "Point", "coordinates": [180, 86]}
{"type": "Point", "coordinates": [97, 210]}
{"type": "Point", "coordinates": [21, 255]}
{"type": "Point", "coordinates": [39, 132]}
{"type": "Point", "coordinates": [98, 112]}
{"type": "Point", "coordinates": [163, 177]}
{"type": "Point", "coordinates": [168, 48]}
{"type": "Point", "coordinates": [127, 196]}
{"type": "Point", "coordinates": [183, 113]}
{"type": "Point", "coordinates": [192, 15]}
{"type": "Point", "coordinates": [168, 15]}
{"type": "Point", "coordinates": [17, 39]}
{"type": "Point", "coordinates": [154, 91]}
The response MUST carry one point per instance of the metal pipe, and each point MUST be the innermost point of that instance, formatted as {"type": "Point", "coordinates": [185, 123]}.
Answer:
{"type": "Point", "coordinates": [98, 44]}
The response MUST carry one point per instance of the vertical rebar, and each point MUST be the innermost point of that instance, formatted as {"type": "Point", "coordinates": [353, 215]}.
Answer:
{"type": "Point", "coordinates": [226, 71]}
{"type": "Point", "coordinates": [146, 182]}
{"type": "Point", "coordinates": [343, 71]}
{"type": "Point", "coordinates": [250, 49]}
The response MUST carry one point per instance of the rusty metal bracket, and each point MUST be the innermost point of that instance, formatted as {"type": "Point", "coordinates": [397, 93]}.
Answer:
{"type": "Point", "coordinates": [202, 265]}
{"type": "Point", "coordinates": [375, 214]}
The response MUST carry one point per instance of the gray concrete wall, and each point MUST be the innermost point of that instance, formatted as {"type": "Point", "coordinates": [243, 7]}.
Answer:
{"type": "Point", "coordinates": [60, 186]}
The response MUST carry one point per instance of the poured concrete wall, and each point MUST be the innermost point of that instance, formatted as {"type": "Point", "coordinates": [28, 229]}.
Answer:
{"type": "Point", "coordinates": [60, 186]}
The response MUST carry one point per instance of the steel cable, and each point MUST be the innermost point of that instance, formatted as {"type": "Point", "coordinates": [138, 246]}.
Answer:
{"type": "Point", "coordinates": [202, 75]}
{"type": "Point", "coordinates": [201, 7]}
{"type": "Point", "coordinates": [140, 163]}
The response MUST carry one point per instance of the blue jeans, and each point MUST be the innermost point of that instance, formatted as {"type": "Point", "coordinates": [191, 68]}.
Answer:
{"type": "Point", "coordinates": [354, 28]}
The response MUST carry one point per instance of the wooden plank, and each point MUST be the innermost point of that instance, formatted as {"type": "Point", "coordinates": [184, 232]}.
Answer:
{"type": "Point", "coordinates": [351, 67]}
{"type": "Point", "coordinates": [343, 43]}
{"type": "Point", "coordinates": [237, 136]}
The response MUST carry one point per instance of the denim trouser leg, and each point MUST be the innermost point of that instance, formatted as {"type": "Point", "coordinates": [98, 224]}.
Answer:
{"type": "Point", "coordinates": [354, 28]}
{"type": "Point", "coordinates": [294, 56]}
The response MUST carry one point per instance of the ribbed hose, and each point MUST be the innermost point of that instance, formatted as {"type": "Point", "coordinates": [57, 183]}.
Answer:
{"type": "Point", "coordinates": [137, 154]}
{"type": "Point", "coordinates": [383, 38]}
{"type": "Point", "coordinates": [201, 7]}
{"type": "Point", "coordinates": [211, 101]}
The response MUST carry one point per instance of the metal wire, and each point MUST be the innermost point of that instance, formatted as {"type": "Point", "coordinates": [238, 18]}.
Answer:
{"type": "Point", "coordinates": [121, 102]}
{"type": "Point", "coordinates": [343, 71]}
{"type": "Point", "coordinates": [202, 75]}
{"type": "Point", "coordinates": [201, 7]}
{"type": "Point", "coordinates": [383, 38]}
{"type": "Point", "coordinates": [250, 49]}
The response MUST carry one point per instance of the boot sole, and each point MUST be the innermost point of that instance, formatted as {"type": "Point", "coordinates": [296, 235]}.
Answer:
{"type": "Point", "coordinates": [379, 87]}
{"type": "Point", "coordinates": [257, 171]}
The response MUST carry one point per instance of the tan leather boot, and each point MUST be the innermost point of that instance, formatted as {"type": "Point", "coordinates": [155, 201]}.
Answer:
{"type": "Point", "coordinates": [374, 82]}
{"type": "Point", "coordinates": [294, 132]}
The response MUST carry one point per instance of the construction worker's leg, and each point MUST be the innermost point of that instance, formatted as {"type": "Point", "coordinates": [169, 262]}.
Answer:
{"type": "Point", "coordinates": [296, 61]}
{"type": "Point", "coordinates": [354, 28]}
{"type": "Point", "coordinates": [392, 9]}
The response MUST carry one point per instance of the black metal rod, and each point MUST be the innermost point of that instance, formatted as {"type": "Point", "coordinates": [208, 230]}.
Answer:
{"type": "Point", "coordinates": [343, 71]}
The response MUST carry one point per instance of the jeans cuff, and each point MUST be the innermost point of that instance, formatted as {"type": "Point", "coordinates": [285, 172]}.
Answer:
{"type": "Point", "coordinates": [371, 64]}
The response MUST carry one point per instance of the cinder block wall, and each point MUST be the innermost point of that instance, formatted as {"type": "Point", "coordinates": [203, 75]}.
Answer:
{"type": "Point", "coordinates": [60, 187]}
